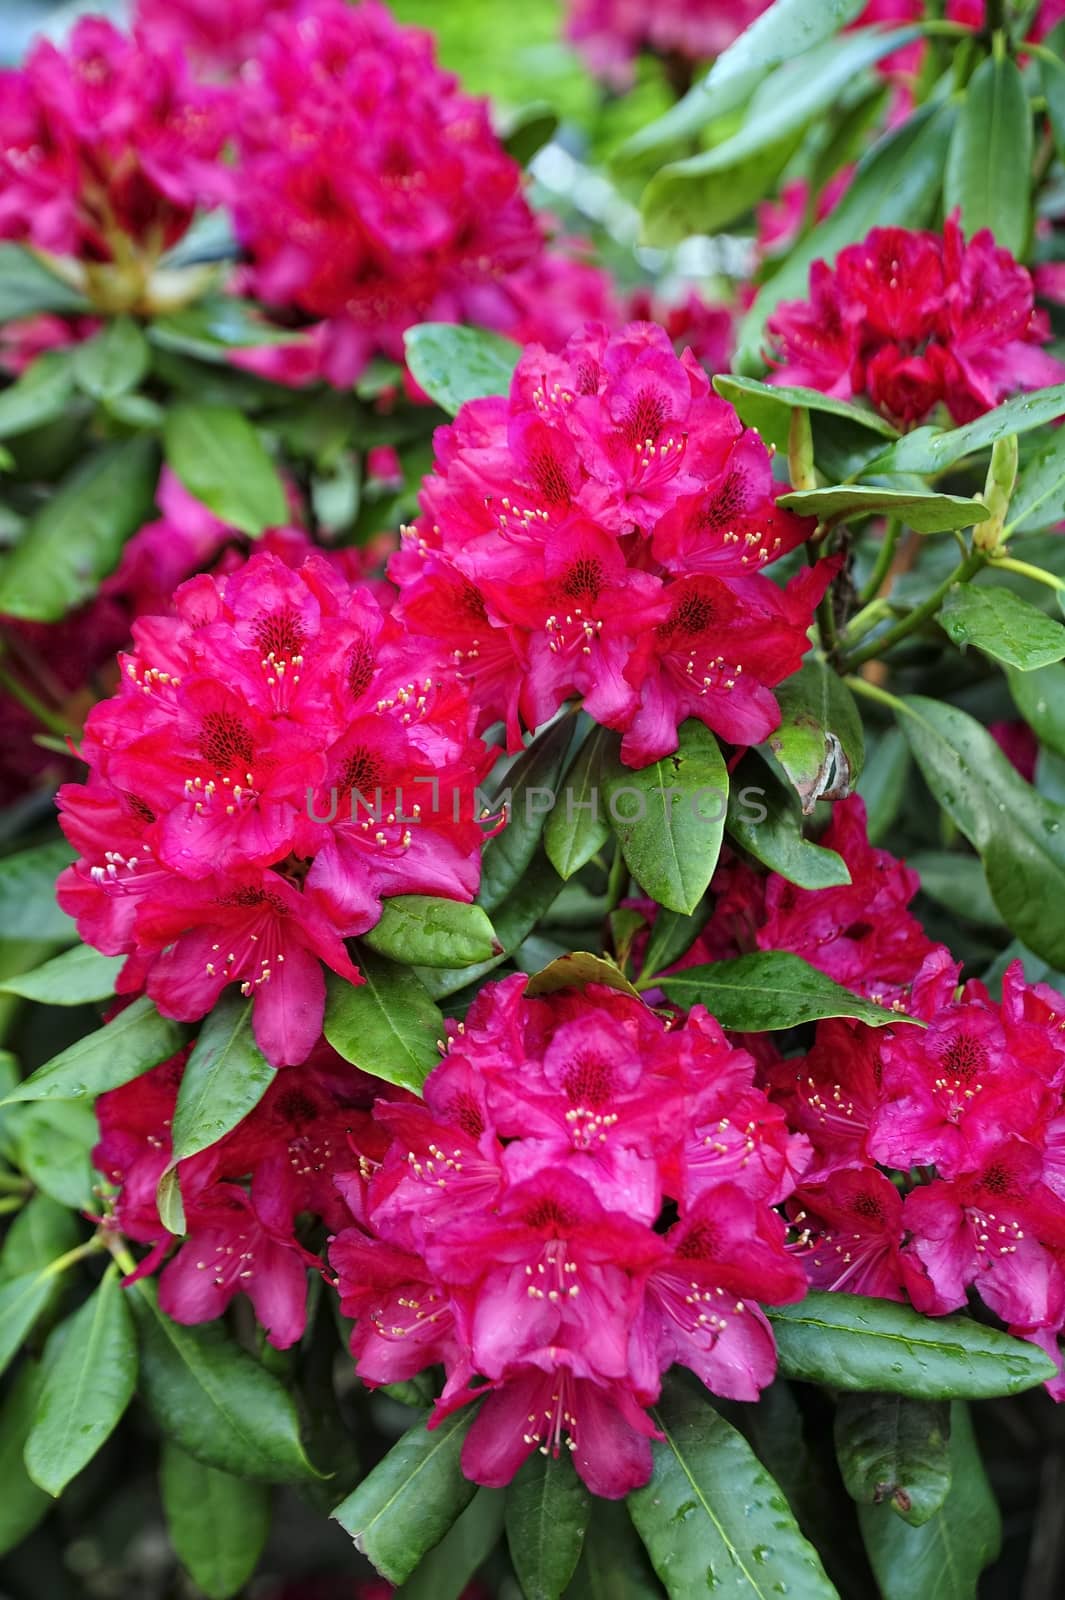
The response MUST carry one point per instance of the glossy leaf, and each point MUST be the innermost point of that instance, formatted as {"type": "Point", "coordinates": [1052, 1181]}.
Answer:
{"type": "Point", "coordinates": [669, 818]}
{"type": "Point", "coordinates": [27, 286]}
{"type": "Point", "coordinates": [924, 513]}
{"type": "Point", "coordinates": [387, 1025]}
{"type": "Point", "coordinates": [712, 1518]}
{"type": "Point", "coordinates": [547, 1513]}
{"type": "Point", "coordinates": [444, 1572]}
{"type": "Point", "coordinates": [22, 1300]}
{"type": "Point", "coordinates": [137, 1040]}
{"type": "Point", "coordinates": [576, 969]}
{"type": "Point", "coordinates": [113, 361]}
{"type": "Point", "coordinates": [767, 407]}
{"type": "Point", "coordinates": [225, 1077]}
{"type": "Point", "coordinates": [705, 192]}
{"type": "Point", "coordinates": [53, 1142]}
{"type": "Point", "coordinates": [76, 538]}
{"type": "Point", "coordinates": [672, 935]}
{"type": "Point", "coordinates": [1019, 836]}
{"type": "Point", "coordinates": [931, 450]}
{"type": "Point", "coordinates": [614, 1564]}
{"type": "Point", "coordinates": [770, 989]}
{"type": "Point", "coordinates": [764, 819]}
{"type": "Point", "coordinates": [217, 1523]}
{"type": "Point", "coordinates": [1040, 699]}
{"type": "Point", "coordinates": [1038, 499]}
{"type": "Point", "coordinates": [895, 1451]}
{"type": "Point", "coordinates": [956, 880]}
{"type": "Point", "coordinates": [513, 921]}
{"type": "Point", "coordinates": [780, 34]}
{"type": "Point", "coordinates": [41, 1232]}
{"type": "Point", "coordinates": [577, 825]}
{"type": "Point", "coordinates": [424, 931]}
{"type": "Point", "coordinates": [23, 1504]}
{"type": "Point", "coordinates": [214, 1400]}
{"type": "Point", "coordinates": [991, 144]}
{"type": "Point", "coordinates": [221, 460]}
{"type": "Point", "coordinates": [1002, 625]}
{"type": "Point", "coordinates": [454, 364]}
{"type": "Point", "coordinates": [942, 1559]}
{"type": "Point", "coordinates": [411, 1498]}
{"type": "Point", "coordinates": [853, 1342]}
{"type": "Point", "coordinates": [27, 893]}
{"type": "Point", "coordinates": [530, 788]}
{"type": "Point", "coordinates": [74, 978]}
{"type": "Point", "coordinates": [90, 1375]}
{"type": "Point", "coordinates": [39, 395]}
{"type": "Point", "coordinates": [819, 743]}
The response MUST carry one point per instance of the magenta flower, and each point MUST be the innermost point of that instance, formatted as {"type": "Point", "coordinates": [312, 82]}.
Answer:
{"type": "Point", "coordinates": [610, 33]}
{"type": "Point", "coordinates": [603, 534]}
{"type": "Point", "coordinates": [277, 761]}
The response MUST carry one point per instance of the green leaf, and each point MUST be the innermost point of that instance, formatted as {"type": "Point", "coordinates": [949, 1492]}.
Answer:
{"type": "Point", "coordinates": [515, 919]}
{"type": "Point", "coordinates": [53, 1144]}
{"type": "Point", "coordinates": [883, 782]}
{"type": "Point", "coordinates": [169, 1203]}
{"type": "Point", "coordinates": [424, 931]}
{"type": "Point", "coordinates": [112, 362]}
{"type": "Point", "coordinates": [388, 1025]}
{"type": "Point", "coordinates": [931, 451]}
{"type": "Point", "coordinates": [546, 1517]}
{"type": "Point", "coordinates": [217, 1523]}
{"type": "Point", "coordinates": [849, 1341]}
{"type": "Point", "coordinates": [705, 192]}
{"type": "Point", "coordinates": [1019, 836]}
{"type": "Point", "coordinates": [669, 817]}
{"type": "Point", "coordinates": [577, 827]}
{"type": "Point", "coordinates": [895, 1451]}
{"type": "Point", "coordinates": [137, 1040]}
{"type": "Point", "coordinates": [446, 1570]}
{"type": "Point", "coordinates": [613, 1564]}
{"type": "Point", "coordinates": [411, 1498]}
{"type": "Point", "coordinates": [780, 34]}
{"type": "Point", "coordinates": [924, 513]}
{"type": "Point", "coordinates": [220, 458]}
{"type": "Point", "coordinates": [819, 743]}
{"type": "Point", "coordinates": [767, 407]}
{"type": "Point", "coordinates": [991, 144]}
{"type": "Point", "coordinates": [672, 936]}
{"type": "Point", "coordinates": [765, 820]}
{"type": "Point", "coordinates": [455, 364]}
{"type": "Point", "coordinates": [41, 1232]}
{"type": "Point", "coordinates": [213, 327]}
{"type": "Point", "coordinates": [531, 781]}
{"type": "Point", "coordinates": [712, 1518]}
{"type": "Point", "coordinates": [957, 881]}
{"type": "Point", "coordinates": [526, 130]}
{"type": "Point", "coordinates": [39, 395]}
{"type": "Point", "coordinates": [22, 1300]}
{"type": "Point", "coordinates": [27, 893]}
{"type": "Point", "coordinates": [1038, 499]}
{"type": "Point", "coordinates": [90, 1375]}
{"type": "Point", "coordinates": [27, 286]}
{"type": "Point", "coordinates": [943, 1559]}
{"type": "Point", "coordinates": [214, 1400]}
{"type": "Point", "coordinates": [1040, 698]}
{"type": "Point", "coordinates": [770, 989]}
{"type": "Point", "coordinates": [896, 184]}
{"type": "Point", "coordinates": [22, 1504]}
{"type": "Point", "coordinates": [74, 978]}
{"type": "Point", "coordinates": [1002, 625]}
{"type": "Point", "coordinates": [75, 539]}
{"type": "Point", "coordinates": [1052, 74]}
{"type": "Point", "coordinates": [574, 971]}
{"type": "Point", "coordinates": [225, 1077]}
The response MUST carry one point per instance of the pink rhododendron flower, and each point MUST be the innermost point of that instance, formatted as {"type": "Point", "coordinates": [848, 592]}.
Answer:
{"type": "Point", "coordinates": [107, 147]}
{"type": "Point", "coordinates": [218, 40]}
{"type": "Point", "coordinates": [372, 192]}
{"type": "Point", "coordinates": [513, 1228]}
{"type": "Point", "coordinates": [610, 33]}
{"type": "Point", "coordinates": [602, 533]}
{"type": "Point", "coordinates": [914, 320]}
{"type": "Point", "coordinates": [278, 759]}
{"type": "Point", "coordinates": [695, 324]}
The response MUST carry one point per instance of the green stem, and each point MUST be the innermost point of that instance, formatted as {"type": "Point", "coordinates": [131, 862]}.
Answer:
{"type": "Point", "coordinates": [873, 691]}
{"type": "Point", "coordinates": [10, 1203]}
{"type": "Point", "coordinates": [117, 1246]}
{"type": "Point", "coordinates": [61, 1263]}
{"type": "Point", "coordinates": [919, 615]}
{"type": "Point", "coordinates": [617, 881]}
{"type": "Point", "coordinates": [1041, 52]}
{"type": "Point", "coordinates": [865, 620]}
{"type": "Point", "coordinates": [37, 708]}
{"type": "Point", "coordinates": [885, 556]}
{"type": "Point", "coordinates": [14, 1183]}
{"type": "Point", "coordinates": [1024, 569]}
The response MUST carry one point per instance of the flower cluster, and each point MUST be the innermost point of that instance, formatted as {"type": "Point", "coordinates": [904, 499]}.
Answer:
{"type": "Point", "coordinates": [248, 1198]}
{"type": "Point", "coordinates": [219, 40]}
{"type": "Point", "coordinates": [610, 33]}
{"type": "Point", "coordinates": [602, 532]}
{"type": "Point", "coordinates": [583, 1199]}
{"type": "Point", "coordinates": [913, 320]}
{"type": "Point", "coordinates": [372, 192]}
{"type": "Point", "coordinates": [937, 1162]}
{"type": "Point", "coordinates": [279, 757]}
{"type": "Point", "coordinates": [106, 150]}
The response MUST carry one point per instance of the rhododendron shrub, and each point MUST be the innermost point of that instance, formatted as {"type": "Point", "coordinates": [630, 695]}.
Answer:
{"type": "Point", "coordinates": [532, 816]}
